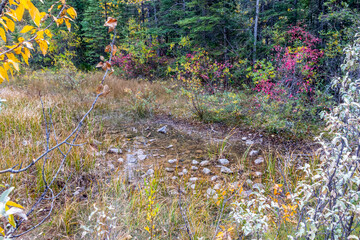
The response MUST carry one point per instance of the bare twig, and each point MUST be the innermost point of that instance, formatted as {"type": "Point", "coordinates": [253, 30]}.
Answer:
{"type": "Point", "coordinates": [70, 140]}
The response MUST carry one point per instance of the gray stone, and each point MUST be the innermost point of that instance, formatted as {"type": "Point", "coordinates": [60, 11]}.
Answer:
{"type": "Point", "coordinates": [194, 162]}
{"type": "Point", "coordinates": [162, 129]}
{"type": "Point", "coordinates": [210, 192]}
{"type": "Point", "coordinates": [244, 138]}
{"type": "Point", "coordinates": [217, 186]}
{"type": "Point", "coordinates": [259, 186]}
{"type": "Point", "coordinates": [206, 171]}
{"type": "Point", "coordinates": [173, 192]}
{"type": "Point", "coordinates": [253, 153]}
{"type": "Point", "coordinates": [169, 169]}
{"type": "Point", "coordinates": [131, 158]}
{"type": "Point", "coordinates": [172, 161]}
{"type": "Point", "coordinates": [131, 166]}
{"type": "Point", "coordinates": [259, 160]}
{"type": "Point", "coordinates": [246, 193]}
{"type": "Point", "coordinates": [142, 157]}
{"type": "Point", "coordinates": [100, 154]}
{"type": "Point", "coordinates": [194, 168]}
{"type": "Point", "coordinates": [96, 142]}
{"type": "Point", "coordinates": [204, 163]}
{"type": "Point", "coordinates": [224, 161]}
{"type": "Point", "coordinates": [249, 142]}
{"type": "Point", "coordinates": [174, 178]}
{"type": "Point", "coordinates": [214, 178]}
{"type": "Point", "coordinates": [121, 160]}
{"type": "Point", "coordinates": [184, 171]}
{"type": "Point", "coordinates": [111, 166]}
{"type": "Point", "coordinates": [226, 170]}
{"type": "Point", "coordinates": [258, 174]}
{"type": "Point", "coordinates": [193, 179]}
{"type": "Point", "coordinates": [115, 150]}
{"type": "Point", "coordinates": [170, 146]}
{"type": "Point", "coordinates": [150, 172]}
{"type": "Point", "coordinates": [193, 186]}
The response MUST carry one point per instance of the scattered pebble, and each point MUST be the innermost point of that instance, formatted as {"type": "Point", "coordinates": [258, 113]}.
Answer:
{"type": "Point", "coordinates": [194, 168]}
{"type": "Point", "coordinates": [253, 153]}
{"type": "Point", "coordinates": [162, 129]}
{"type": "Point", "coordinates": [193, 186]}
{"type": "Point", "coordinates": [184, 171]}
{"type": "Point", "coordinates": [131, 158]}
{"type": "Point", "coordinates": [204, 163]}
{"type": "Point", "coordinates": [169, 169]}
{"type": "Point", "coordinates": [246, 193]}
{"type": "Point", "coordinates": [111, 166]}
{"type": "Point", "coordinates": [170, 146]}
{"type": "Point", "coordinates": [214, 178]}
{"type": "Point", "coordinates": [249, 142]}
{"type": "Point", "coordinates": [210, 192]}
{"type": "Point", "coordinates": [224, 161]}
{"type": "Point", "coordinates": [259, 186]}
{"type": "Point", "coordinates": [217, 186]}
{"type": "Point", "coordinates": [121, 160]}
{"type": "Point", "coordinates": [206, 171]}
{"type": "Point", "coordinates": [96, 142]}
{"type": "Point", "coordinates": [142, 157]}
{"type": "Point", "coordinates": [172, 161]}
{"type": "Point", "coordinates": [258, 174]}
{"type": "Point", "coordinates": [259, 160]}
{"type": "Point", "coordinates": [194, 162]}
{"type": "Point", "coordinates": [100, 154]}
{"type": "Point", "coordinates": [244, 138]}
{"type": "Point", "coordinates": [193, 179]}
{"type": "Point", "coordinates": [150, 172]}
{"type": "Point", "coordinates": [174, 178]}
{"type": "Point", "coordinates": [226, 170]}
{"type": "Point", "coordinates": [115, 150]}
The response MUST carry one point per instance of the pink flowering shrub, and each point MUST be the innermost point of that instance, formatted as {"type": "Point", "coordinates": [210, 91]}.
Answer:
{"type": "Point", "coordinates": [296, 67]}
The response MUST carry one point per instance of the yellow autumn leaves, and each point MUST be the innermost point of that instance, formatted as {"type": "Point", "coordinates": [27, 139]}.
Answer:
{"type": "Point", "coordinates": [14, 48]}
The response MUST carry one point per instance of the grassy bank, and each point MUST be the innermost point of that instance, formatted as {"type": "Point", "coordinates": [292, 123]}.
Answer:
{"type": "Point", "coordinates": [160, 205]}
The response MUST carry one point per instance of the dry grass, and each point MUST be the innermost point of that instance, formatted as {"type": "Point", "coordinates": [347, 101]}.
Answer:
{"type": "Point", "coordinates": [122, 208]}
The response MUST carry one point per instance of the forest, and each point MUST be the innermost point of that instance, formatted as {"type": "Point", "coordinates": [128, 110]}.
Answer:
{"type": "Point", "coordinates": [180, 119]}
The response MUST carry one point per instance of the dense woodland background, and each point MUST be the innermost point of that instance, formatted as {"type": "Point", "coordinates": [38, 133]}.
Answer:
{"type": "Point", "coordinates": [240, 32]}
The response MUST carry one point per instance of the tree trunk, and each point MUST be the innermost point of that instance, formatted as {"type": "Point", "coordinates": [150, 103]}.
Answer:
{"type": "Point", "coordinates": [256, 29]}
